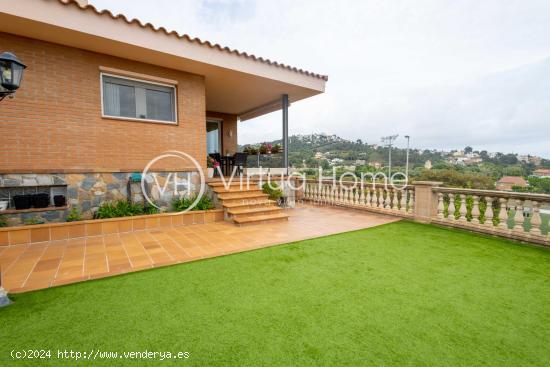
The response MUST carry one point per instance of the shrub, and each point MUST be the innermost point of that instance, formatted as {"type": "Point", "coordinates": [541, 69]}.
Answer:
{"type": "Point", "coordinates": [120, 208]}
{"type": "Point", "coordinates": [150, 209]}
{"type": "Point", "coordinates": [272, 190]}
{"type": "Point", "coordinates": [33, 221]}
{"type": "Point", "coordinates": [74, 215]}
{"type": "Point", "coordinates": [184, 203]}
{"type": "Point", "coordinates": [3, 221]}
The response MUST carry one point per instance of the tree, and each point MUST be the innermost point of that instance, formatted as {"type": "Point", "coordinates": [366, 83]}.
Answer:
{"type": "Point", "coordinates": [468, 150]}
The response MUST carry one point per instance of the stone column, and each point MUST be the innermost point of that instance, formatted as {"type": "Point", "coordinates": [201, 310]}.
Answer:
{"type": "Point", "coordinates": [426, 200]}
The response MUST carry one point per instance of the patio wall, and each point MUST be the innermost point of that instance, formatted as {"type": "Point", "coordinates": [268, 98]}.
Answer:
{"type": "Point", "coordinates": [86, 192]}
{"type": "Point", "coordinates": [62, 231]}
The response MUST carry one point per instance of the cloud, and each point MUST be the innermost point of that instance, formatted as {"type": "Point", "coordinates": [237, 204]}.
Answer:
{"type": "Point", "coordinates": [449, 73]}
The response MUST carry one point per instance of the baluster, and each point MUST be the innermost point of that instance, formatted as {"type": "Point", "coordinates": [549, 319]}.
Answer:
{"type": "Point", "coordinates": [536, 220]}
{"type": "Point", "coordinates": [369, 198]}
{"type": "Point", "coordinates": [489, 213]}
{"type": "Point", "coordinates": [440, 206]}
{"type": "Point", "coordinates": [362, 197]}
{"type": "Point", "coordinates": [475, 210]}
{"type": "Point", "coordinates": [412, 198]}
{"type": "Point", "coordinates": [518, 217]}
{"type": "Point", "coordinates": [346, 196]}
{"type": "Point", "coordinates": [358, 200]}
{"type": "Point", "coordinates": [452, 207]}
{"type": "Point", "coordinates": [331, 194]}
{"type": "Point", "coordinates": [463, 209]}
{"type": "Point", "coordinates": [316, 193]}
{"type": "Point", "coordinates": [403, 201]}
{"type": "Point", "coordinates": [503, 214]}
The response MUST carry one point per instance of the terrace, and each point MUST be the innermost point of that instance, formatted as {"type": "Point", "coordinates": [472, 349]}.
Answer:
{"type": "Point", "coordinates": [400, 293]}
{"type": "Point", "coordinates": [42, 256]}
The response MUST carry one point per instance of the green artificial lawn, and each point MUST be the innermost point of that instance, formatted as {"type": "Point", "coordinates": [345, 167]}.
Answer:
{"type": "Point", "coordinates": [398, 294]}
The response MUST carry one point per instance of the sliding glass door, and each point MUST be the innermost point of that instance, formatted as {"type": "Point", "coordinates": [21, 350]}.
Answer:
{"type": "Point", "coordinates": [213, 137]}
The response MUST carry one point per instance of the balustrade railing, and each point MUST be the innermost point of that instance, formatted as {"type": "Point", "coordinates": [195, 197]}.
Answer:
{"type": "Point", "coordinates": [516, 215]}
{"type": "Point", "coordinates": [520, 216]}
{"type": "Point", "coordinates": [380, 198]}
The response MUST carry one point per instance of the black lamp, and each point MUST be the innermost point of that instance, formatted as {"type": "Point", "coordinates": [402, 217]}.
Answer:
{"type": "Point", "coordinates": [11, 73]}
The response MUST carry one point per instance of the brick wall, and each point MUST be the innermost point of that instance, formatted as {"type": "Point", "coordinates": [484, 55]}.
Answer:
{"type": "Point", "coordinates": [54, 124]}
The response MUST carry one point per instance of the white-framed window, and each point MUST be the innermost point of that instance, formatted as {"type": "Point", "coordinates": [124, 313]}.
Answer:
{"type": "Point", "coordinates": [139, 100]}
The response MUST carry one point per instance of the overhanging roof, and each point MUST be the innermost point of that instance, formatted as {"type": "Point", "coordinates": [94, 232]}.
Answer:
{"type": "Point", "coordinates": [236, 83]}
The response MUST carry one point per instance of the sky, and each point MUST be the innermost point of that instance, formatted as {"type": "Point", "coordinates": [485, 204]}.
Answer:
{"type": "Point", "coordinates": [449, 73]}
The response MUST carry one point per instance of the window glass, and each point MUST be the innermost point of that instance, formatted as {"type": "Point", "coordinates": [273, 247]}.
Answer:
{"type": "Point", "coordinates": [135, 99]}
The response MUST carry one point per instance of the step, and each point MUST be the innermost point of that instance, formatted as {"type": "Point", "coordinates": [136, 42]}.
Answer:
{"type": "Point", "coordinates": [278, 217]}
{"type": "Point", "coordinates": [241, 195]}
{"type": "Point", "coordinates": [223, 190]}
{"type": "Point", "coordinates": [261, 203]}
{"type": "Point", "coordinates": [235, 182]}
{"type": "Point", "coordinates": [253, 212]}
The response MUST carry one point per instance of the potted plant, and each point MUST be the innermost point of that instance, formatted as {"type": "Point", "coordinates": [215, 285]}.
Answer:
{"type": "Point", "coordinates": [41, 200]}
{"type": "Point", "coordinates": [263, 148]}
{"type": "Point", "coordinates": [59, 200]}
{"type": "Point", "coordinates": [276, 149]}
{"type": "Point", "coordinates": [253, 151]}
{"type": "Point", "coordinates": [22, 202]}
{"type": "Point", "coordinates": [210, 166]}
{"type": "Point", "coordinates": [268, 147]}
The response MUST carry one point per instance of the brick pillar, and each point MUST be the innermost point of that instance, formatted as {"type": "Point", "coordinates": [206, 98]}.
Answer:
{"type": "Point", "coordinates": [425, 204]}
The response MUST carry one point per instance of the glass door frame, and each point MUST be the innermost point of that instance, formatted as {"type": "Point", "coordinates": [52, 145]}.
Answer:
{"type": "Point", "coordinates": [220, 133]}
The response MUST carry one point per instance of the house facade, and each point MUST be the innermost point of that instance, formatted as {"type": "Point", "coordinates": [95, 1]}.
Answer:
{"type": "Point", "coordinates": [507, 183]}
{"type": "Point", "coordinates": [103, 95]}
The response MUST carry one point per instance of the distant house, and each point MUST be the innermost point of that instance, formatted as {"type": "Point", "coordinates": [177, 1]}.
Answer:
{"type": "Point", "coordinates": [360, 162]}
{"type": "Point", "coordinates": [507, 182]}
{"type": "Point", "coordinates": [319, 155]}
{"type": "Point", "coordinates": [428, 164]}
{"type": "Point", "coordinates": [542, 173]}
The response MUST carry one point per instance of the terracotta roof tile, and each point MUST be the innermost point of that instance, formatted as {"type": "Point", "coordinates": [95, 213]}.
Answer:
{"type": "Point", "coordinates": [188, 38]}
{"type": "Point", "coordinates": [513, 180]}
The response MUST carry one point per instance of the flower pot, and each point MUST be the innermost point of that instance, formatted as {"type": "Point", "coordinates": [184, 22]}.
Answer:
{"type": "Point", "coordinates": [59, 200]}
{"type": "Point", "coordinates": [22, 202]}
{"type": "Point", "coordinates": [40, 200]}
{"type": "Point", "coordinates": [210, 172]}
{"type": "Point", "coordinates": [4, 205]}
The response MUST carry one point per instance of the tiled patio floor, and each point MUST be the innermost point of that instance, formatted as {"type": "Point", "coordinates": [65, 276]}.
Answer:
{"type": "Point", "coordinates": [42, 265]}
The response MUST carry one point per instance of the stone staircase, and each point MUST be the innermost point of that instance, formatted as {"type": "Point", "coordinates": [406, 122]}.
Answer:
{"type": "Point", "coordinates": [245, 205]}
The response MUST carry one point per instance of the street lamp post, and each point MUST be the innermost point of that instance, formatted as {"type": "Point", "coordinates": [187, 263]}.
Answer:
{"type": "Point", "coordinates": [4, 300]}
{"type": "Point", "coordinates": [11, 73]}
{"type": "Point", "coordinates": [407, 164]}
{"type": "Point", "coordinates": [389, 139]}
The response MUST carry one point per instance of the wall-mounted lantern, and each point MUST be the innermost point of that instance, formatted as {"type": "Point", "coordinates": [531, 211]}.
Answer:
{"type": "Point", "coordinates": [11, 73]}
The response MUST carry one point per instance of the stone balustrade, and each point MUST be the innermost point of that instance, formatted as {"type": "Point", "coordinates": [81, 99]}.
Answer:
{"type": "Point", "coordinates": [520, 216]}
{"type": "Point", "coordinates": [377, 198]}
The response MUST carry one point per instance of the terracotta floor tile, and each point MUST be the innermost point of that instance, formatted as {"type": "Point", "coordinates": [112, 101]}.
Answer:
{"type": "Point", "coordinates": [45, 264]}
